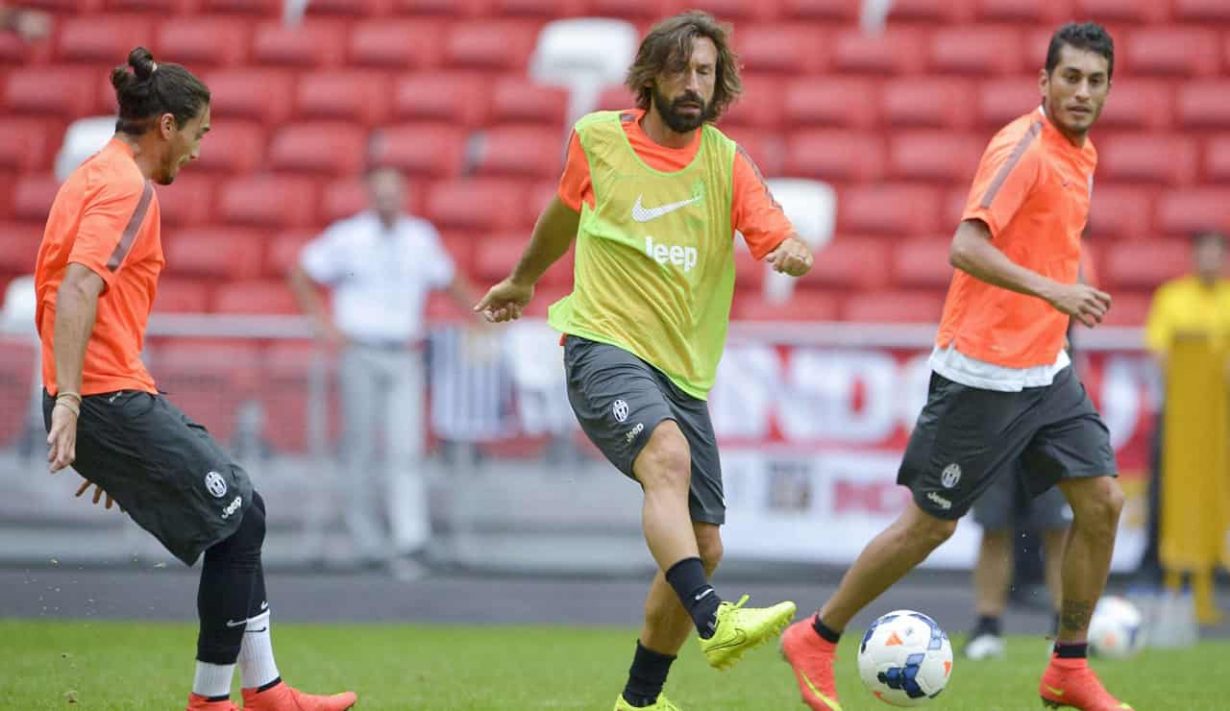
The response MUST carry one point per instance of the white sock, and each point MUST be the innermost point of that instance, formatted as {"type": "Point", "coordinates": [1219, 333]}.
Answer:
{"type": "Point", "coordinates": [256, 664]}
{"type": "Point", "coordinates": [212, 679]}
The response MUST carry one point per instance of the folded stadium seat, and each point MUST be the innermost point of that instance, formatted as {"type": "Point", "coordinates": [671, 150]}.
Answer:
{"type": "Point", "coordinates": [217, 253]}
{"type": "Point", "coordinates": [353, 96]}
{"type": "Point", "coordinates": [766, 148]}
{"type": "Point", "coordinates": [24, 144]}
{"type": "Point", "coordinates": [199, 42]}
{"type": "Point", "coordinates": [952, 208]}
{"type": "Point", "coordinates": [257, 296]}
{"type": "Point", "coordinates": [497, 256]}
{"type": "Point", "coordinates": [283, 250]}
{"type": "Point", "coordinates": [268, 200]}
{"type": "Point", "coordinates": [284, 394]}
{"type": "Point", "coordinates": [1129, 308]}
{"type": "Point", "coordinates": [503, 45]}
{"type": "Point", "coordinates": [78, 6]}
{"type": "Point", "coordinates": [232, 147]}
{"type": "Point", "coordinates": [101, 38]}
{"type": "Point", "coordinates": [21, 240]}
{"type": "Point", "coordinates": [1023, 11]}
{"type": "Point", "coordinates": [326, 147]}
{"type": "Point", "coordinates": [351, 8]}
{"type": "Point", "coordinates": [1202, 11]}
{"type": "Point", "coordinates": [262, 8]}
{"type": "Point", "coordinates": [181, 296]}
{"type": "Point", "coordinates": [1001, 101]}
{"type": "Point", "coordinates": [1204, 103]}
{"type": "Point", "coordinates": [33, 195]}
{"type": "Point", "coordinates": [1121, 212]}
{"type": "Point", "coordinates": [922, 263]}
{"type": "Point", "coordinates": [1171, 51]}
{"type": "Point", "coordinates": [14, 50]}
{"type": "Point", "coordinates": [789, 49]}
{"type": "Point", "coordinates": [1145, 12]}
{"type": "Point", "coordinates": [264, 95]}
{"type": "Point", "coordinates": [314, 44]}
{"type": "Point", "coordinates": [396, 43]}
{"type": "Point", "coordinates": [538, 195]}
{"type": "Point", "coordinates": [165, 7]}
{"type": "Point", "coordinates": [952, 12]}
{"type": "Point", "coordinates": [760, 105]}
{"type": "Point", "coordinates": [1145, 264]}
{"type": "Point", "coordinates": [441, 308]}
{"type": "Point", "coordinates": [941, 102]}
{"type": "Point", "coordinates": [519, 151]}
{"type": "Point", "coordinates": [1139, 104]}
{"type": "Point", "coordinates": [520, 100]}
{"type": "Point", "coordinates": [834, 154]}
{"type": "Point", "coordinates": [739, 12]}
{"type": "Point", "coordinates": [348, 196]}
{"type": "Point", "coordinates": [892, 209]}
{"type": "Point", "coordinates": [976, 49]}
{"type": "Point", "coordinates": [435, 150]}
{"type": "Point", "coordinates": [487, 204]}
{"type": "Point", "coordinates": [1180, 212]}
{"type": "Point", "coordinates": [460, 245]}
{"type": "Point", "coordinates": [64, 92]}
{"type": "Point", "coordinates": [749, 271]}
{"type": "Point", "coordinates": [208, 380]}
{"type": "Point", "coordinates": [583, 54]}
{"type": "Point", "coordinates": [1161, 158]}
{"type": "Point", "coordinates": [849, 262]}
{"type": "Point", "coordinates": [636, 10]}
{"type": "Point", "coordinates": [894, 307]}
{"type": "Point", "coordinates": [460, 98]}
{"type": "Point", "coordinates": [935, 154]}
{"type": "Point", "coordinates": [616, 97]}
{"type": "Point", "coordinates": [846, 11]}
{"type": "Point", "coordinates": [545, 9]}
{"type": "Point", "coordinates": [189, 201]}
{"type": "Point", "coordinates": [803, 305]}
{"type": "Point", "coordinates": [898, 50]}
{"type": "Point", "coordinates": [845, 102]}
{"type": "Point", "coordinates": [453, 8]}
{"type": "Point", "coordinates": [1217, 159]}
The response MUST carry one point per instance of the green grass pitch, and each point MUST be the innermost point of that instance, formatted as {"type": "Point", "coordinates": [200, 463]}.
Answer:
{"type": "Point", "coordinates": [140, 666]}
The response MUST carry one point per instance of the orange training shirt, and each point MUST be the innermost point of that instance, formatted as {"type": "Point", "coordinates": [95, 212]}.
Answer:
{"type": "Point", "coordinates": [105, 217]}
{"type": "Point", "coordinates": [1032, 190]}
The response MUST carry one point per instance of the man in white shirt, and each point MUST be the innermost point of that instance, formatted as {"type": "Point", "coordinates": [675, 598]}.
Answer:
{"type": "Point", "coordinates": [380, 265]}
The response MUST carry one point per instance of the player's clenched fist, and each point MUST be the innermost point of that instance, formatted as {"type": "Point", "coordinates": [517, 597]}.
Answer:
{"type": "Point", "coordinates": [791, 257]}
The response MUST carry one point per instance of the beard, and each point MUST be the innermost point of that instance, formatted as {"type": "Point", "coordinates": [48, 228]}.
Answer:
{"type": "Point", "coordinates": [672, 115]}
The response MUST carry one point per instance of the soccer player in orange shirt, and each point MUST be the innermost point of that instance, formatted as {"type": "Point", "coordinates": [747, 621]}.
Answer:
{"type": "Point", "coordinates": [96, 276]}
{"type": "Point", "coordinates": [1003, 390]}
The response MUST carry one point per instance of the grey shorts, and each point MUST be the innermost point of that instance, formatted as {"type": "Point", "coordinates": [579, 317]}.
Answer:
{"type": "Point", "coordinates": [619, 399]}
{"type": "Point", "coordinates": [967, 437]}
{"type": "Point", "coordinates": [1007, 502]}
{"type": "Point", "coordinates": [162, 468]}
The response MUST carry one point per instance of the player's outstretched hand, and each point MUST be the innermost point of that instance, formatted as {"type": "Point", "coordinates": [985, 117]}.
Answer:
{"type": "Point", "coordinates": [505, 301]}
{"type": "Point", "coordinates": [98, 493]}
{"type": "Point", "coordinates": [1082, 302]}
{"type": "Point", "coordinates": [792, 257]}
{"type": "Point", "coordinates": [62, 439]}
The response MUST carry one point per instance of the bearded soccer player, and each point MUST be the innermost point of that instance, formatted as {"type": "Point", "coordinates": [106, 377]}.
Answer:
{"type": "Point", "coordinates": [1003, 391]}
{"type": "Point", "coordinates": [653, 196]}
{"type": "Point", "coordinates": [96, 276]}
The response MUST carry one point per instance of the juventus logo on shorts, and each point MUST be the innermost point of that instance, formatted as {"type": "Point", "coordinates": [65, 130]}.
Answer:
{"type": "Point", "coordinates": [215, 484]}
{"type": "Point", "coordinates": [951, 475]}
{"type": "Point", "coordinates": [620, 410]}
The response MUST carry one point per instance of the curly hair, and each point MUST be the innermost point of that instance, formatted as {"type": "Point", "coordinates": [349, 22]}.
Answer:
{"type": "Point", "coordinates": [669, 45]}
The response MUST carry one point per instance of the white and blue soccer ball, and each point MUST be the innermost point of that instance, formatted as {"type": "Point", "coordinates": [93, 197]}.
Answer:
{"type": "Point", "coordinates": [1116, 630]}
{"type": "Point", "coordinates": [905, 659]}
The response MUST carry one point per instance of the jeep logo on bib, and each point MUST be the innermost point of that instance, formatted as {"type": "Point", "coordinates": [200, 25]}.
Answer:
{"type": "Point", "coordinates": [215, 484]}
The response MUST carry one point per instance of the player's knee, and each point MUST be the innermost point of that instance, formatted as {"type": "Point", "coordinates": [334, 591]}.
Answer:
{"type": "Point", "coordinates": [932, 532]}
{"type": "Point", "coordinates": [1099, 506]}
{"type": "Point", "coordinates": [665, 462]}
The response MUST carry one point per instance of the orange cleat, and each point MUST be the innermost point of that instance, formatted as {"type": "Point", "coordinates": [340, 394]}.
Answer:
{"type": "Point", "coordinates": [284, 697]}
{"type": "Point", "coordinates": [1070, 683]}
{"type": "Point", "coordinates": [196, 702]}
{"type": "Point", "coordinates": [812, 658]}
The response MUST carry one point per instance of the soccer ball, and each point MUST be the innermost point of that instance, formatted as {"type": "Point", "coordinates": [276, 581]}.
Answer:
{"type": "Point", "coordinates": [1117, 629]}
{"type": "Point", "coordinates": [905, 658]}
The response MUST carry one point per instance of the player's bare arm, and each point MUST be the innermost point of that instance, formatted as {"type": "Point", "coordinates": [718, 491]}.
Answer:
{"type": "Point", "coordinates": [553, 234]}
{"type": "Point", "coordinates": [792, 257]}
{"type": "Point", "coordinates": [76, 305]}
{"type": "Point", "coordinates": [972, 252]}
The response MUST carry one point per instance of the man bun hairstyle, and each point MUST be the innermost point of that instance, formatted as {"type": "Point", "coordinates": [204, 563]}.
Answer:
{"type": "Point", "coordinates": [152, 89]}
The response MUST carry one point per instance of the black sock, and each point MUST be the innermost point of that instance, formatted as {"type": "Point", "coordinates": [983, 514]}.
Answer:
{"type": "Point", "coordinates": [1065, 650]}
{"type": "Point", "coordinates": [987, 625]}
{"type": "Point", "coordinates": [828, 634]}
{"type": "Point", "coordinates": [699, 598]}
{"type": "Point", "coordinates": [230, 574]}
{"type": "Point", "coordinates": [646, 677]}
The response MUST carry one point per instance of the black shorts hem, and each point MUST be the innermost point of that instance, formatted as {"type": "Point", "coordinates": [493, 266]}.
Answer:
{"type": "Point", "coordinates": [639, 446]}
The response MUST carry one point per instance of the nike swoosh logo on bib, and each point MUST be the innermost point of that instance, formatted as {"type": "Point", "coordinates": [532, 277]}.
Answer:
{"type": "Point", "coordinates": [640, 213]}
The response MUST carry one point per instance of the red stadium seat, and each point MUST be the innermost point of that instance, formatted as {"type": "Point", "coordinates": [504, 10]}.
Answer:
{"type": "Point", "coordinates": [357, 96]}
{"type": "Point", "coordinates": [1202, 11]}
{"type": "Point", "coordinates": [24, 144]}
{"type": "Point", "coordinates": [811, 305]}
{"type": "Point", "coordinates": [738, 11]}
{"type": "Point", "coordinates": [829, 10]}
{"type": "Point", "coordinates": [181, 296]}
{"type": "Point", "coordinates": [461, 99]}
{"type": "Point", "coordinates": [759, 106]}
{"type": "Point", "coordinates": [950, 12]}
{"type": "Point", "coordinates": [1145, 12]}
{"type": "Point", "coordinates": [545, 9]}
{"type": "Point", "coordinates": [892, 209]}
{"type": "Point", "coordinates": [1023, 11]}
{"type": "Point", "coordinates": [255, 297]}
{"type": "Point", "coordinates": [498, 255]}
{"type": "Point", "coordinates": [1204, 104]}
{"type": "Point", "coordinates": [850, 262]}
{"type": "Point", "coordinates": [397, 44]}
{"type": "Point", "coordinates": [456, 8]}
{"type": "Point", "coordinates": [354, 8]}
{"type": "Point", "coordinates": [765, 148]}
{"type": "Point", "coordinates": [101, 38]}
{"type": "Point", "coordinates": [255, 94]}
{"type": "Point", "coordinates": [749, 271]}
{"type": "Point", "coordinates": [207, 380]}
{"type": "Point", "coordinates": [1145, 264]}
{"type": "Point", "coordinates": [189, 200]}
{"type": "Point", "coordinates": [934, 155]}
{"type": "Point", "coordinates": [648, 10]}
{"type": "Point", "coordinates": [327, 147]}
{"type": "Point", "coordinates": [1164, 158]}
{"type": "Point", "coordinates": [21, 241]}
{"type": "Point", "coordinates": [313, 44]}
{"type": "Point", "coordinates": [232, 147]}
{"type": "Point", "coordinates": [286, 379]}
{"type": "Point", "coordinates": [517, 100]}
{"type": "Point", "coordinates": [1120, 213]}
{"type": "Point", "coordinates": [424, 149]}
{"type": "Point", "coordinates": [33, 195]}
{"type": "Point", "coordinates": [976, 50]}
{"type": "Point", "coordinates": [791, 49]}
{"type": "Point", "coordinates": [898, 50]}
{"type": "Point", "coordinates": [1183, 212]}
{"type": "Point", "coordinates": [539, 195]}
{"type": "Point", "coordinates": [268, 200]}
{"type": "Point", "coordinates": [167, 7]}
{"type": "Point", "coordinates": [68, 92]}
{"type": "Point", "coordinates": [922, 263]}
{"type": "Point", "coordinates": [1139, 105]}
{"type": "Point", "coordinates": [476, 204]}
{"type": "Point", "coordinates": [1000, 101]}
{"type": "Point", "coordinates": [78, 6]}
{"type": "Point", "coordinates": [1129, 308]}
{"type": "Point", "coordinates": [283, 252]}
{"type": "Point", "coordinates": [203, 41]}
{"type": "Point", "coordinates": [520, 151]}
{"type": "Point", "coordinates": [263, 8]}
{"type": "Point", "coordinates": [218, 252]}
{"type": "Point", "coordinates": [953, 208]}
{"type": "Point", "coordinates": [616, 97]}
{"type": "Point", "coordinates": [931, 101]}
{"type": "Point", "coordinates": [833, 154]}
{"type": "Point", "coordinates": [894, 307]}
{"type": "Point", "coordinates": [1176, 51]}
{"type": "Point", "coordinates": [1217, 159]}
{"type": "Point", "coordinates": [490, 44]}
{"type": "Point", "coordinates": [846, 102]}
{"type": "Point", "coordinates": [346, 197]}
